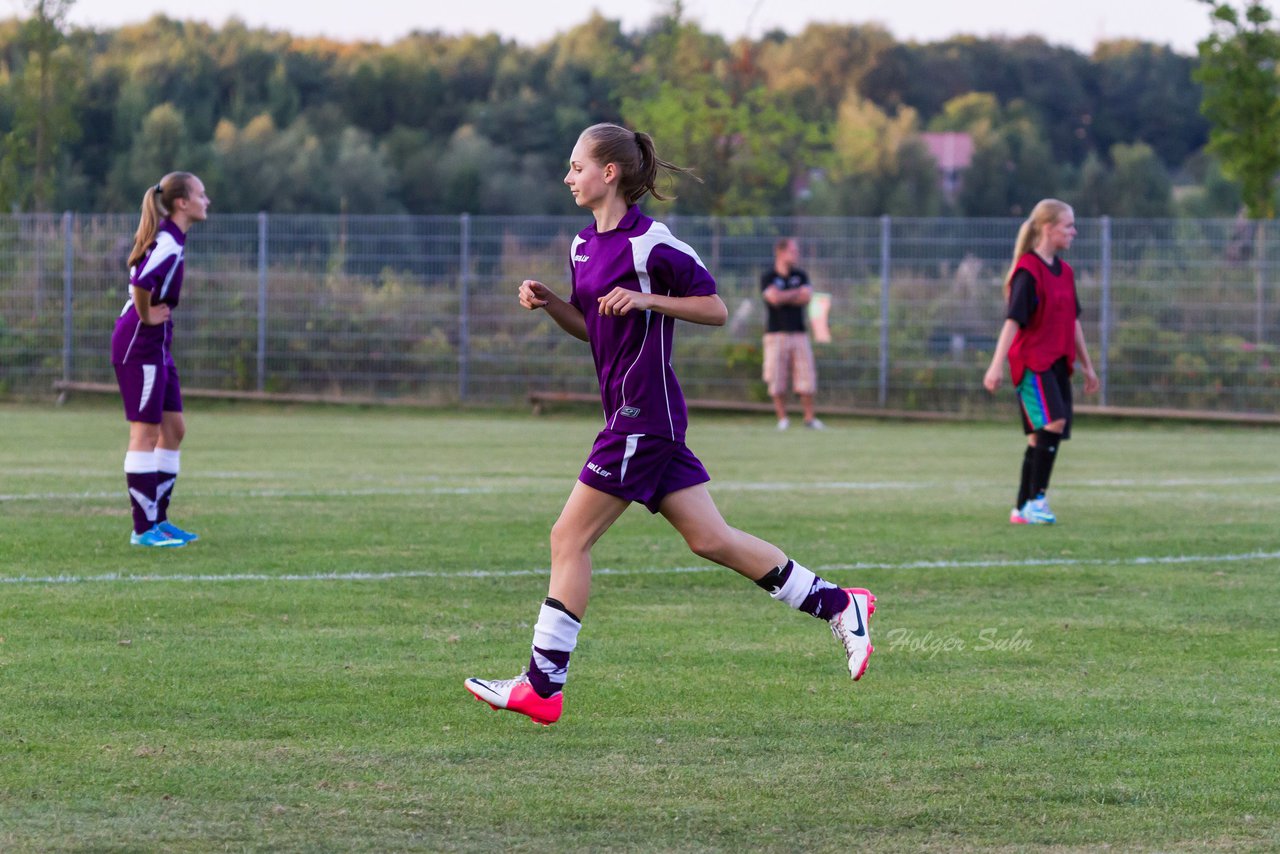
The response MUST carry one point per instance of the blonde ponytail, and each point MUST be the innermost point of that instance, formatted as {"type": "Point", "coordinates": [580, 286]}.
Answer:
{"type": "Point", "coordinates": [1046, 212]}
{"type": "Point", "coordinates": [157, 204]}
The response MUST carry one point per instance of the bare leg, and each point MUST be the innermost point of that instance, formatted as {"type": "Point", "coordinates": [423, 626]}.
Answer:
{"type": "Point", "coordinates": [173, 427]}
{"type": "Point", "coordinates": [779, 407]}
{"type": "Point", "coordinates": [586, 516]}
{"type": "Point", "coordinates": [806, 401]}
{"type": "Point", "coordinates": [694, 514]}
{"type": "Point", "coordinates": [143, 436]}
{"type": "Point", "coordinates": [1053, 427]}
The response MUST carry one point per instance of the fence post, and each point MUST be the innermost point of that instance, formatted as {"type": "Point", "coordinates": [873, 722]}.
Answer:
{"type": "Point", "coordinates": [1104, 318]}
{"type": "Point", "coordinates": [883, 394]}
{"type": "Point", "coordinates": [68, 293]}
{"type": "Point", "coordinates": [464, 300]}
{"type": "Point", "coordinates": [262, 300]}
{"type": "Point", "coordinates": [1259, 282]}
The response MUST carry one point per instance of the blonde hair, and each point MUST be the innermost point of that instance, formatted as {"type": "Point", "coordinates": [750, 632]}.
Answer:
{"type": "Point", "coordinates": [1046, 212]}
{"type": "Point", "coordinates": [156, 205]}
{"type": "Point", "coordinates": [634, 155]}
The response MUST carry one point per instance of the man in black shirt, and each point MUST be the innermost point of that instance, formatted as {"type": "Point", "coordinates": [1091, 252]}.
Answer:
{"type": "Point", "coordinates": [788, 355]}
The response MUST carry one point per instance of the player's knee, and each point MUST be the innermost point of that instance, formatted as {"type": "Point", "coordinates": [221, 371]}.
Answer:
{"type": "Point", "coordinates": [566, 539]}
{"type": "Point", "coordinates": [712, 545]}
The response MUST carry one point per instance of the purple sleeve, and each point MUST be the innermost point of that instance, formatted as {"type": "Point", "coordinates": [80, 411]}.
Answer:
{"type": "Point", "coordinates": [573, 284]}
{"type": "Point", "coordinates": [153, 277]}
{"type": "Point", "coordinates": [680, 272]}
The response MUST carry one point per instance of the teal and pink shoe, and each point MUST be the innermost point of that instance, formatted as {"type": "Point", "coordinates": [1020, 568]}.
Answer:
{"type": "Point", "coordinates": [154, 538]}
{"type": "Point", "coordinates": [1034, 512]}
{"type": "Point", "coordinates": [173, 532]}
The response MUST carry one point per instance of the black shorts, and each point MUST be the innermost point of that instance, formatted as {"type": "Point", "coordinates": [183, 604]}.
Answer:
{"type": "Point", "coordinates": [1045, 397]}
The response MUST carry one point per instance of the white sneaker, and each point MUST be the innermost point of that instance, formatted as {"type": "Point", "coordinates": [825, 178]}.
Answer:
{"type": "Point", "coordinates": [784, 423]}
{"type": "Point", "coordinates": [517, 695]}
{"type": "Point", "coordinates": [815, 424]}
{"type": "Point", "coordinates": [852, 628]}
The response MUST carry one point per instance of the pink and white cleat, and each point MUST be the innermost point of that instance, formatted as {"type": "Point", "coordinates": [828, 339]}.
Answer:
{"type": "Point", "coordinates": [517, 695]}
{"type": "Point", "coordinates": [852, 628]}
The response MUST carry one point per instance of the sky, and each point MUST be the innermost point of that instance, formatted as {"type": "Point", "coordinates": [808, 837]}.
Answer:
{"type": "Point", "coordinates": [1075, 23]}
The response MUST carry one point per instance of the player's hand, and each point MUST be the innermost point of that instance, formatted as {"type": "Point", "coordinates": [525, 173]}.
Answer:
{"type": "Point", "coordinates": [158, 315]}
{"type": "Point", "coordinates": [619, 301]}
{"type": "Point", "coordinates": [1091, 381]}
{"type": "Point", "coordinates": [993, 378]}
{"type": "Point", "coordinates": [534, 294]}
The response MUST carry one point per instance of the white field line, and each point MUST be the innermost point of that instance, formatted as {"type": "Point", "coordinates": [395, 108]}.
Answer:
{"type": "Point", "coordinates": [190, 490]}
{"type": "Point", "coordinates": [129, 578]}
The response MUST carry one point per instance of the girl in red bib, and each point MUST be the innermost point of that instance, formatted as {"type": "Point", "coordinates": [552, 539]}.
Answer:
{"type": "Point", "coordinates": [1042, 341]}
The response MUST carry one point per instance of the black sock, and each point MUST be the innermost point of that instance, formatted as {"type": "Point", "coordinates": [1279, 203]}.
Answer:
{"type": "Point", "coordinates": [1046, 452]}
{"type": "Point", "coordinates": [1024, 485]}
{"type": "Point", "coordinates": [775, 578]}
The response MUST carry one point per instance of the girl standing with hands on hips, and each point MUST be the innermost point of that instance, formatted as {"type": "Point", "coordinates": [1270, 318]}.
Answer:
{"type": "Point", "coordinates": [141, 353]}
{"type": "Point", "coordinates": [631, 280]}
{"type": "Point", "coordinates": [1042, 340]}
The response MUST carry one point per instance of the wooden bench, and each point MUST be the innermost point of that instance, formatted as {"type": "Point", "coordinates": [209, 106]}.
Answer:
{"type": "Point", "coordinates": [539, 400]}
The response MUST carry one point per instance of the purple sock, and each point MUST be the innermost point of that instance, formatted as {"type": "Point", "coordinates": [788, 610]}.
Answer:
{"type": "Point", "coordinates": [164, 489]}
{"type": "Point", "coordinates": [142, 498]}
{"type": "Point", "coordinates": [168, 464]}
{"type": "Point", "coordinates": [554, 637]}
{"type": "Point", "coordinates": [546, 665]}
{"type": "Point", "coordinates": [804, 590]}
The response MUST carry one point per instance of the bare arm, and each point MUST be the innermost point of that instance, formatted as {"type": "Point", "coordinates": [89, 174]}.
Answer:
{"type": "Point", "coordinates": [535, 295]}
{"type": "Point", "coordinates": [150, 315]}
{"type": "Point", "coordinates": [995, 373]}
{"type": "Point", "coordinates": [1091, 381]}
{"type": "Point", "coordinates": [708, 310]}
{"type": "Point", "coordinates": [775, 296]}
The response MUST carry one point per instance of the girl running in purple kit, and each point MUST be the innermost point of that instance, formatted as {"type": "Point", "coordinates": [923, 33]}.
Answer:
{"type": "Point", "coordinates": [1042, 339]}
{"type": "Point", "coordinates": [631, 280]}
{"type": "Point", "coordinates": [143, 360]}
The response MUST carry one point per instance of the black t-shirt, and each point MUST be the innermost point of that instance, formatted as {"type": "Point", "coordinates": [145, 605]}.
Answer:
{"type": "Point", "coordinates": [1023, 301]}
{"type": "Point", "coordinates": [785, 318]}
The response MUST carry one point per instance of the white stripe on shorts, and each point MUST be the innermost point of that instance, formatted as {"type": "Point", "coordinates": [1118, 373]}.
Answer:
{"type": "Point", "coordinates": [148, 383]}
{"type": "Point", "coordinates": [633, 443]}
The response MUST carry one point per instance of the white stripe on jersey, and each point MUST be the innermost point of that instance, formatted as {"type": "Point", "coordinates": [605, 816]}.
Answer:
{"type": "Point", "coordinates": [641, 248]}
{"type": "Point", "coordinates": [657, 235]}
{"type": "Point", "coordinates": [648, 316]}
{"type": "Point", "coordinates": [166, 247]}
{"type": "Point", "coordinates": [128, 350]}
{"type": "Point", "coordinates": [164, 289]}
{"type": "Point", "coordinates": [573, 264]}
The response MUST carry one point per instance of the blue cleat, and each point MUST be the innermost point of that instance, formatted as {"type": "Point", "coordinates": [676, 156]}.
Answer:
{"type": "Point", "coordinates": [173, 532]}
{"type": "Point", "coordinates": [1037, 512]}
{"type": "Point", "coordinates": [155, 538]}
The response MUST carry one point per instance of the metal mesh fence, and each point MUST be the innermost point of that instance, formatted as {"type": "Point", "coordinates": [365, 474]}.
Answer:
{"type": "Point", "coordinates": [1178, 313]}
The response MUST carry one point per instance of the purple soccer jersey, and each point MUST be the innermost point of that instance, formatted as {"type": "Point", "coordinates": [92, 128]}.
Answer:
{"type": "Point", "coordinates": [160, 272]}
{"type": "Point", "coordinates": [638, 387]}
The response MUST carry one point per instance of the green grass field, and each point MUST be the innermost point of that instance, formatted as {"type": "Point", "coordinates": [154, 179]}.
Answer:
{"type": "Point", "coordinates": [1110, 681]}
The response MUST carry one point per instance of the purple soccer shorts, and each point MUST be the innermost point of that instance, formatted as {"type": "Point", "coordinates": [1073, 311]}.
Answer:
{"type": "Point", "coordinates": [639, 467]}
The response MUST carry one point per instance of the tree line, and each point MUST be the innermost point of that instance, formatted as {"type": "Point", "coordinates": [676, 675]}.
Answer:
{"type": "Point", "coordinates": [824, 122]}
